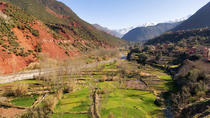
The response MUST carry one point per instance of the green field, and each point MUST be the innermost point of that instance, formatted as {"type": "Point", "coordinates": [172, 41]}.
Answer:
{"type": "Point", "coordinates": [115, 100]}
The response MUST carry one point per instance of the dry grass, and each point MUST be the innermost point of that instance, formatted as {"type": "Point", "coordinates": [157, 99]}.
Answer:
{"type": "Point", "coordinates": [19, 90]}
{"type": "Point", "coordinates": [103, 78]}
{"type": "Point", "coordinates": [111, 115]}
{"type": "Point", "coordinates": [50, 103]}
{"type": "Point", "coordinates": [104, 54]}
{"type": "Point", "coordinates": [32, 66]}
{"type": "Point", "coordinates": [70, 87]}
{"type": "Point", "coordinates": [59, 94]}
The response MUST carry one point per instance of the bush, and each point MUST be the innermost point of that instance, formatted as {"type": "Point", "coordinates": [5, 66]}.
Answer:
{"type": "Point", "coordinates": [35, 33]}
{"type": "Point", "coordinates": [195, 57]}
{"type": "Point", "coordinates": [190, 87]}
{"type": "Point", "coordinates": [142, 58]}
{"type": "Point", "coordinates": [38, 48]}
{"type": "Point", "coordinates": [69, 87]}
{"type": "Point", "coordinates": [103, 78]}
{"type": "Point", "coordinates": [38, 112]}
{"type": "Point", "coordinates": [50, 103]}
{"type": "Point", "coordinates": [67, 53]}
{"type": "Point", "coordinates": [59, 94]}
{"type": "Point", "coordinates": [19, 90]}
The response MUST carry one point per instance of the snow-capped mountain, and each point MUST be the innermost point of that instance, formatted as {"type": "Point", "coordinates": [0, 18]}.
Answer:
{"type": "Point", "coordinates": [179, 19]}
{"type": "Point", "coordinates": [126, 30]}
{"type": "Point", "coordinates": [105, 29]}
{"type": "Point", "coordinates": [121, 32]}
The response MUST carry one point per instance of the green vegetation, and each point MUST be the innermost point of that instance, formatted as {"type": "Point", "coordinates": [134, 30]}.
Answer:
{"type": "Point", "coordinates": [78, 29]}
{"type": "Point", "coordinates": [129, 103]}
{"type": "Point", "coordinates": [74, 102]}
{"type": "Point", "coordinates": [70, 116]}
{"type": "Point", "coordinates": [183, 38]}
{"type": "Point", "coordinates": [25, 101]}
{"type": "Point", "coordinates": [185, 56]}
{"type": "Point", "coordinates": [108, 82]}
{"type": "Point", "coordinates": [190, 88]}
{"type": "Point", "coordinates": [15, 18]}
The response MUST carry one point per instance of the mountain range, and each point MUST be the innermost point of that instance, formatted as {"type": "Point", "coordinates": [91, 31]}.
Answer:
{"type": "Point", "coordinates": [121, 32]}
{"type": "Point", "coordinates": [141, 34]}
{"type": "Point", "coordinates": [195, 26]}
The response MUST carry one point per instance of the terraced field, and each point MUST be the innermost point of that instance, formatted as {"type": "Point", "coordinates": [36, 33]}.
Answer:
{"type": "Point", "coordinates": [102, 91]}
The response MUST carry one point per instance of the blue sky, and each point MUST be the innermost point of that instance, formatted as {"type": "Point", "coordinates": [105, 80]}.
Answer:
{"type": "Point", "coordinates": [116, 14]}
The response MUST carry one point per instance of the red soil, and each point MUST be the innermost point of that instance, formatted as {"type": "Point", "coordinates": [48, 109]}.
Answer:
{"type": "Point", "coordinates": [53, 13]}
{"type": "Point", "coordinates": [48, 43]}
{"type": "Point", "coordinates": [10, 63]}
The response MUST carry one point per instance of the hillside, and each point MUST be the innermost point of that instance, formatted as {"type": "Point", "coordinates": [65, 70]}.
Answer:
{"type": "Point", "coordinates": [194, 37]}
{"type": "Point", "coordinates": [141, 34]}
{"type": "Point", "coordinates": [199, 20]}
{"type": "Point", "coordinates": [111, 32]}
{"type": "Point", "coordinates": [186, 56]}
{"type": "Point", "coordinates": [30, 27]}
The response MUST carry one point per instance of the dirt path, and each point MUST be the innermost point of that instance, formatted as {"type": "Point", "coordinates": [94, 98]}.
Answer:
{"type": "Point", "coordinates": [10, 112]}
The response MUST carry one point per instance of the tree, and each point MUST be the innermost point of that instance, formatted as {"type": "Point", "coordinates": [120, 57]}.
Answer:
{"type": "Point", "coordinates": [158, 57]}
{"type": "Point", "coordinates": [142, 58]}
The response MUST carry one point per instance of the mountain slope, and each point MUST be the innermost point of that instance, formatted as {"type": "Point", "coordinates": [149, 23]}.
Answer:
{"type": "Point", "coordinates": [140, 34]}
{"type": "Point", "coordinates": [104, 29]}
{"type": "Point", "coordinates": [54, 13]}
{"type": "Point", "coordinates": [44, 26]}
{"type": "Point", "coordinates": [186, 37]}
{"type": "Point", "coordinates": [200, 19]}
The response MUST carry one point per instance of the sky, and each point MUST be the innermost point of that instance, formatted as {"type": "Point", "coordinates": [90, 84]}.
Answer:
{"type": "Point", "coordinates": [118, 14]}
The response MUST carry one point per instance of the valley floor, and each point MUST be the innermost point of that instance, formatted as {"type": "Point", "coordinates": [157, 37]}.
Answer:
{"type": "Point", "coordinates": [118, 89]}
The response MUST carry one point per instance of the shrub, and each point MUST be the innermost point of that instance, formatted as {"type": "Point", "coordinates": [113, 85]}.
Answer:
{"type": "Point", "coordinates": [195, 57]}
{"type": "Point", "coordinates": [1, 42]}
{"type": "Point", "coordinates": [67, 53]}
{"type": "Point", "coordinates": [50, 103]}
{"type": "Point", "coordinates": [38, 48]}
{"type": "Point", "coordinates": [103, 78]}
{"type": "Point", "coordinates": [18, 90]}
{"type": "Point", "coordinates": [142, 58]}
{"type": "Point", "coordinates": [69, 87]}
{"type": "Point", "coordinates": [35, 33]}
{"type": "Point", "coordinates": [38, 112]}
{"type": "Point", "coordinates": [190, 87]}
{"type": "Point", "coordinates": [59, 94]}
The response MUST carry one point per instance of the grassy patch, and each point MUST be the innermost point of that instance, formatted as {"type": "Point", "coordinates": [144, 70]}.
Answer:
{"type": "Point", "coordinates": [130, 104]}
{"type": "Point", "coordinates": [25, 101]}
{"type": "Point", "coordinates": [74, 102]}
{"type": "Point", "coordinates": [110, 66]}
{"type": "Point", "coordinates": [70, 116]}
{"type": "Point", "coordinates": [165, 82]}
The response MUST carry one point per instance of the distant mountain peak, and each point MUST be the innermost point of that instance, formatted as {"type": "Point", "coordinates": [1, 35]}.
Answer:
{"type": "Point", "coordinates": [148, 24]}
{"type": "Point", "coordinates": [148, 31]}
